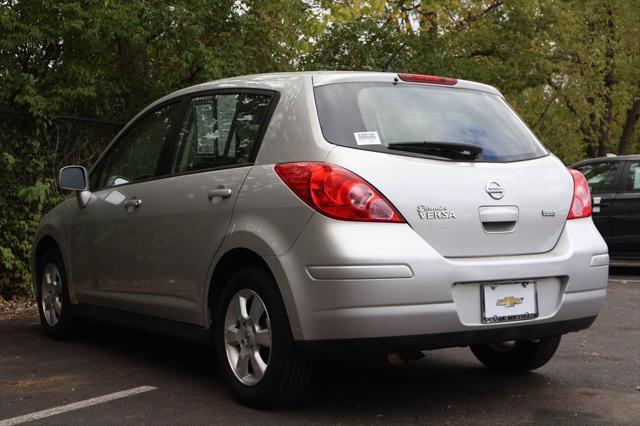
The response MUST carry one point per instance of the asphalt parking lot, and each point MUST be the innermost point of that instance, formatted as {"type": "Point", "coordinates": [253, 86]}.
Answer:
{"type": "Point", "coordinates": [593, 379]}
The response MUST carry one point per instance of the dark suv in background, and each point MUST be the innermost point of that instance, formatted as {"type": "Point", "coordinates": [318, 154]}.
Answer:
{"type": "Point", "coordinates": [615, 188]}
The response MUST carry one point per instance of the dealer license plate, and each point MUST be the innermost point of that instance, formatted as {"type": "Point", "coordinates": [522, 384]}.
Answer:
{"type": "Point", "coordinates": [508, 301]}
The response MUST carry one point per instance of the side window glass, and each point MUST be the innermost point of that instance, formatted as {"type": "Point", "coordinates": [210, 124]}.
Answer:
{"type": "Point", "coordinates": [220, 130]}
{"type": "Point", "coordinates": [600, 176]}
{"type": "Point", "coordinates": [205, 132]}
{"type": "Point", "coordinates": [136, 155]}
{"type": "Point", "coordinates": [633, 178]}
{"type": "Point", "coordinates": [251, 113]}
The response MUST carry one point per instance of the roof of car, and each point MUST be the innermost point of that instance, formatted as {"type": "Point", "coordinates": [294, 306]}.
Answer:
{"type": "Point", "coordinates": [276, 81]}
{"type": "Point", "coordinates": [284, 81]}
{"type": "Point", "coordinates": [632, 157]}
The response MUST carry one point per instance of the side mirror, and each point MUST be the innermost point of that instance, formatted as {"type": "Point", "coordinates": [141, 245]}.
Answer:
{"type": "Point", "coordinates": [76, 178]}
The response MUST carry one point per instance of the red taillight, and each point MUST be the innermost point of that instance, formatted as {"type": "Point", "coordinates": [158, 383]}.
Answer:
{"type": "Point", "coordinates": [337, 192]}
{"type": "Point", "coordinates": [419, 78]}
{"type": "Point", "coordinates": [581, 204]}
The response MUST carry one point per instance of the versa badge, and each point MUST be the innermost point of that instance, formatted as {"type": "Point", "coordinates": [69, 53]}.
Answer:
{"type": "Point", "coordinates": [435, 212]}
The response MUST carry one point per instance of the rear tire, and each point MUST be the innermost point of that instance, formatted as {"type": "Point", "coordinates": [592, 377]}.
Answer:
{"type": "Point", "coordinates": [519, 356]}
{"type": "Point", "coordinates": [54, 305]}
{"type": "Point", "coordinates": [263, 371]}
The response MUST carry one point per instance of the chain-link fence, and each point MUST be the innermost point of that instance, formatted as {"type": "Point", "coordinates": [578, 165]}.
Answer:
{"type": "Point", "coordinates": [32, 150]}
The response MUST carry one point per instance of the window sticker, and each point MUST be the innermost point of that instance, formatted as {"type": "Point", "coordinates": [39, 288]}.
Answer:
{"type": "Point", "coordinates": [226, 107]}
{"type": "Point", "coordinates": [205, 129]}
{"type": "Point", "coordinates": [367, 138]}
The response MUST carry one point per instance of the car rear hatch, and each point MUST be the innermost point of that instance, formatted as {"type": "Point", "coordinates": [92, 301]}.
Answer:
{"type": "Point", "coordinates": [447, 203]}
{"type": "Point", "coordinates": [512, 198]}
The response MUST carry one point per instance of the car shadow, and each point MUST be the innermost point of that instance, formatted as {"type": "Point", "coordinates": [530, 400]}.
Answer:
{"type": "Point", "coordinates": [443, 380]}
{"type": "Point", "coordinates": [625, 271]}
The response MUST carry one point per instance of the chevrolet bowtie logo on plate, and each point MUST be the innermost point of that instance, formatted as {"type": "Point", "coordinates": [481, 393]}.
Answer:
{"type": "Point", "coordinates": [509, 301]}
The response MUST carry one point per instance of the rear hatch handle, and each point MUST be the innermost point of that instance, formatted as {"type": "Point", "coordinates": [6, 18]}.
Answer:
{"type": "Point", "coordinates": [498, 219]}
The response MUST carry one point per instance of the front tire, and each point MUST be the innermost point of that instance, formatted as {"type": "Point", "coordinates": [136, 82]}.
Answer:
{"type": "Point", "coordinates": [518, 356]}
{"type": "Point", "coordinates": [54, 305]}
{"type": "Point", "coordinates": [257, 354]}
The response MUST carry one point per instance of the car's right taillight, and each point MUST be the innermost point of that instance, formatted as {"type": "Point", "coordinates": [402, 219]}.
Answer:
{"type": "Point", "coordinates": [337, 192]}
{"type": "Point", "coordinates": [581, 203]}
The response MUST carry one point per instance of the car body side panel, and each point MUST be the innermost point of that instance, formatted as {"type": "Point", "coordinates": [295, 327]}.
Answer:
{"type": "Point", "coordinates": [268, 211]}
{"type": "Point", "coordinates": [106, 248]}
{"type": "Point", "coordinates": [624, 238]}
{"type": "Point", "coordinates": [267, 220]}
{"type": "Point", "coordinates": [616, 209]}
{"type": "Point", "coordinates": [294, 132]}
{"type": "Point", "coordinates": [183, 229]}
{"type": "Point", "coordinates": [55, 225]}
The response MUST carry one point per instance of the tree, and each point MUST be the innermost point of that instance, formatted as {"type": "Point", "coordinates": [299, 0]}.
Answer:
{"type": "Point", "coordinates": [107, 59]}
{"type": "Point", "coordinates": [570, 68]}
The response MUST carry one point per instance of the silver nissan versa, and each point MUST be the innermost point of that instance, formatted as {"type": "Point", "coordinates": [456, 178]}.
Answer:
{"type": "Point", "coordinates": [288, 216]}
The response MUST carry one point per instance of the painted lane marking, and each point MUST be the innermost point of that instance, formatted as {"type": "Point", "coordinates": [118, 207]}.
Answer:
{"type": "Point", "coordinates": [75, 406]}
{"type": "Point", "coordinates": [623, 281]}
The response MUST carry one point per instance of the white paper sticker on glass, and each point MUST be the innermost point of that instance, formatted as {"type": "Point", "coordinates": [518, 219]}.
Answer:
{"type": "Point", "coordinates": [367, 138]}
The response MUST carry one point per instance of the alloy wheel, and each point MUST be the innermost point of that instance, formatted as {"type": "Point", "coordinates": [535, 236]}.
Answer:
{"type": "Point", "coordinates": [247, 336]}
{"type": "Point", "coordinates": [51, 294]}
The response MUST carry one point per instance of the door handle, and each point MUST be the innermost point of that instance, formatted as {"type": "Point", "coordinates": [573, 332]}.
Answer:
{"type": "Point", "coordinates": [219, 192]}
{"type": "Point", "coordinates": [132, 204]}
{"type": "Point", "coordinates": [600, 202]}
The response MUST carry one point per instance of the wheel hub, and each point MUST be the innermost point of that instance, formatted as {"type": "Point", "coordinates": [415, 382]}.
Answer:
{"type": "Point", "coordinates": [51, 294]}
{"type": "Point", "coordinates": [247, 337]}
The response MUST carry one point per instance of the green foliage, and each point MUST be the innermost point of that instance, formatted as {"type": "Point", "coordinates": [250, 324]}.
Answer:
{"type": "Point", "coordinates": [32, 152]}
{"type": "Point", "coordinates": [571, 68]}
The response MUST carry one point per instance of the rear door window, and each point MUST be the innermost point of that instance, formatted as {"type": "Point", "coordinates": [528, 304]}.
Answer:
{"type": "Point", "coordinates": [374, 115]}
{"type": "Point", "coordinates": [220, 130]}
{"type": "Point", "coordinates": [633, 178]}
{"type": "Point", "coordinates": [600, 176]}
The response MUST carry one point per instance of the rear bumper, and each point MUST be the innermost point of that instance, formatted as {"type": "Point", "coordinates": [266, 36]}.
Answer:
{"type": "Point", "coordinates": [346, 281]}
{"type": "Point", "coordinates": [338, 347]}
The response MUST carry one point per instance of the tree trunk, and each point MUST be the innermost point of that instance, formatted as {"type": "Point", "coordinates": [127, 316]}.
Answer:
{"type": "Point", "coordinates": [609, 81]}
{"type": "Point", "coordinates": [633, 113]}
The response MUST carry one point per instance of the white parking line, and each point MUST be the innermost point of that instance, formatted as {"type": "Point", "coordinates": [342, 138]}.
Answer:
{"type": "Point", "coordinates": [75, 406]}
{"type": "Point", "coordinates": [623, 281]}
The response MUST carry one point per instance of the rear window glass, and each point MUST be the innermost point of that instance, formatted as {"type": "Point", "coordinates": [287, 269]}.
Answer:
{"type": "Point", "coordinates": [373, 115]}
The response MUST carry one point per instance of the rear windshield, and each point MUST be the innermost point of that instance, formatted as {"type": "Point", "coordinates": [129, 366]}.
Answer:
{"type": "Point", "coordinates": [373, 115]}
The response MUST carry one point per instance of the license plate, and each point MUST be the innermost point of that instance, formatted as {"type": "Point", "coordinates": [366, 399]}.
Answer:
{"type": "Point", "coordinates": [512, 301]}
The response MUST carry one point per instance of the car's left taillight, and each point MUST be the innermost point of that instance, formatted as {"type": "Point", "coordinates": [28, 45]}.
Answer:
{"type": "Point", "coordinates": [336, 192]}
{"type": "Point", "coordinates": [581, 203]}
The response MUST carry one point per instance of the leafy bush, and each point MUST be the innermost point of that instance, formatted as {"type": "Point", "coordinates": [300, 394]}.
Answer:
{"type": "Point", "coordinates": [33, 150]}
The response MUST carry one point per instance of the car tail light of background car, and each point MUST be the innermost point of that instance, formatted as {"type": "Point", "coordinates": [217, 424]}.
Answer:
{"type": "Point", "coordinates": [336, 192]}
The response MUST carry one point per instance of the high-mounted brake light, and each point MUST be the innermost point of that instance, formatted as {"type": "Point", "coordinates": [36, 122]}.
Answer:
{"type": "Point", "coordinates": [432, 79]}
{"type": "Point", "coordinates": [337, 192]}
{"type": "Point", "coordinates": [581, 204]}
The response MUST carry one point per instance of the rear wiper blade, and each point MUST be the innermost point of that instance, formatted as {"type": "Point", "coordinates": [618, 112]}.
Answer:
{"type": "Point", "coordinates": [455, 150]}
